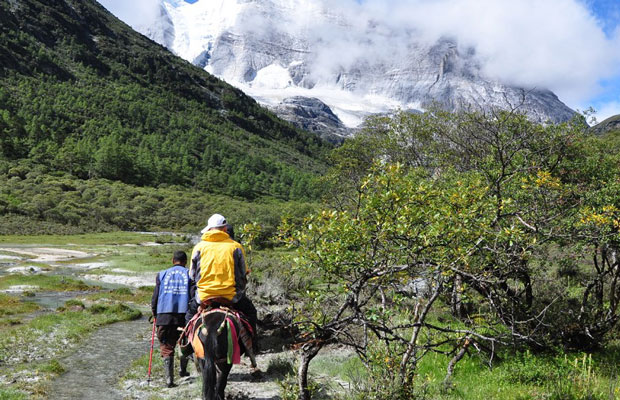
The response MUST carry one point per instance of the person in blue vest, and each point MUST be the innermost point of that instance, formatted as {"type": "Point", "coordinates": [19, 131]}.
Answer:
{"type": "Point", "coordinates": [169, 305]}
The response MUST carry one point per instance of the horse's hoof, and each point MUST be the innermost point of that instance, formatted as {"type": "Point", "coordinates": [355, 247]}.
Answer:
{"type": "Point", "coordinates": [256, 372]}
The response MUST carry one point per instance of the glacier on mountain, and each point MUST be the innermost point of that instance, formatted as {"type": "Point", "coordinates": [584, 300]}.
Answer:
{"type": "Point", "coordinates": [279, 49]}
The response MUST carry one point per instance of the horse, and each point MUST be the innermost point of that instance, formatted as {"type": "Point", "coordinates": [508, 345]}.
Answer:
{"type": "Point", "coordinates": [215, 328]}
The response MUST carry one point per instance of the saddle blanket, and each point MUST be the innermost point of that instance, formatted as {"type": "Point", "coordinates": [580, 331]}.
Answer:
{"type": "Point", "coordinates": [190, 340]}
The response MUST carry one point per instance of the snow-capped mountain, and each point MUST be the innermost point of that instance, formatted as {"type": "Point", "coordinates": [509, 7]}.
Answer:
{"type": "Point", "coordinates": [279, 49]}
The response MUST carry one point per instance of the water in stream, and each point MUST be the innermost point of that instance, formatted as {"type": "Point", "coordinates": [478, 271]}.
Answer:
{"type": "Point", "coordinates": [94, 369]}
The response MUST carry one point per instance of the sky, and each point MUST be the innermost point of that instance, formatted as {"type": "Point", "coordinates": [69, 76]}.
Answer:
{"type": "Point", "coordinates": [571, 47]}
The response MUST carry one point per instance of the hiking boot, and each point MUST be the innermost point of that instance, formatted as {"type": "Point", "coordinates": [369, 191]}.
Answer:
{"type": "Point", "coordinates": [169, 371]}
{"type": "Point", "coordinates": [183, 367]}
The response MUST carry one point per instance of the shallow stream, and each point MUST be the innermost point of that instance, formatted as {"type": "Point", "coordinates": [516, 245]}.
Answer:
{"type": "Point", "coordinates": [94, 369]}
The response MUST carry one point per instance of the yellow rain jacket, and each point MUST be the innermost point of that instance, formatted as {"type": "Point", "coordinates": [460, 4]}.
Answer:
{"type": "Point", "coordinates": [218, 267]}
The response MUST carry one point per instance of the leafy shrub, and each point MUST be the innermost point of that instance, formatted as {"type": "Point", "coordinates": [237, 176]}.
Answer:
{"type": "Point", "coordinates": [52, 366]}
{"type": "Point", "coordinates": [74, 302]}
{"type": "Point", "coordinates": [98, 309]}
{"type": "Point", "coordinates": [281, 366]}
{"type": "Point", "coordinates": [289, 390]}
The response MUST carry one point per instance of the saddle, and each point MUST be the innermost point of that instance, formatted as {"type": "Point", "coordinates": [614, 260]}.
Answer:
{"type": "Point", "coordinates": [189, 342]}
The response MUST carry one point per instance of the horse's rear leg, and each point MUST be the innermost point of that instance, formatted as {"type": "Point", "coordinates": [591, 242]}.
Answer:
{"type": "Point", "coordinates": [209, 379]}
{"type": "Point", "coordinates": [223, 370]}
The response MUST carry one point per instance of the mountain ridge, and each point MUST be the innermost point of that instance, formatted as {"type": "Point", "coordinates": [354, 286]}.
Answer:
{"type": "Point", "coordinates": [252, 45]}
{"type": "Point", "coordinates": [81, 92]}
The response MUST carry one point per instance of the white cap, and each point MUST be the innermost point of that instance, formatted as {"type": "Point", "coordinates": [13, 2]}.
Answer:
{"type": "Point", "coordinates": [215, 221]}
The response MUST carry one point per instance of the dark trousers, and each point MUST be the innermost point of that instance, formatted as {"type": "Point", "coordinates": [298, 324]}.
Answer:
{"type": "Point", "coordinates": [168, 336]}
{"type": "Point", "coordinates": [246, 306]}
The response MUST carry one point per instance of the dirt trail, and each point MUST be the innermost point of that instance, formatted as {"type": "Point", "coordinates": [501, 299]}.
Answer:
{"type": "Point", "coordinates": [241, 385]}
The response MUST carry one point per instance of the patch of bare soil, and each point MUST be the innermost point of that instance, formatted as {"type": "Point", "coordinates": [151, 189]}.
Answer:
{"type": "Point", "coordinates": [241, 384]}
{"type": "Point", "coordinates": [126, 280]}
{"type": "Point", "coordinates": [47, 255]}
{"type": "Point", "coordinates": [53, 256]}
{"type": "Point", "coordinates": [275, 350]}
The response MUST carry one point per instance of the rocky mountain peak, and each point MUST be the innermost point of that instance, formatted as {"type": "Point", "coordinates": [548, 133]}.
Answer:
{"type": "Point", "coordinates": [279, 49]}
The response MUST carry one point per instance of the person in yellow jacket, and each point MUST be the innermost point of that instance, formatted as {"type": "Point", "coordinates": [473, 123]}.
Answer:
{"type": "Point", "coordinates": [218, 270]}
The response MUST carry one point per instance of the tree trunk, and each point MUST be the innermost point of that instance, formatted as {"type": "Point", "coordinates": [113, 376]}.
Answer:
{"type": "Point", "coordinates": [457, 306]}
{"type": "Point", "coordinates": [459, 355]}
{"type": "Point", "coordinates": [308, 351]}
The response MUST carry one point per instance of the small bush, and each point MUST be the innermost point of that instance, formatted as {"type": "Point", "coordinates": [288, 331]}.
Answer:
{"type": "Point", "coordinates": [52, 366]}
{"type": "Point", "coordinates": [289, 390]}
{"type": "Point", "coordinates": [74, 303]}
{"type": "Point", "coordinates": [281, 366]}
{"type": "Point", "coordinates": [122, 292]}
{"type": "Point", "coordinates": [98, 309]}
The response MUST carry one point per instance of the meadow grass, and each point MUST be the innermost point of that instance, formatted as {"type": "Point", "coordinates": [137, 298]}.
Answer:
{"type": "Point", "coordinates": [106, 238]}
{"type": "Point", "coordinates": [518, 376]}
{"type": "Point", "coordinates": [12, 308]}
{"type": "Point", "coordinates": [12, 394]}
{"type": "Point", "coordinates": [46, 283]}
{"type": "Point", "coordinates": [143, 258]}
{"type": "Point", "coordinates": [141, 295]}
{"type": "Point", "coordinates": [11, 305]}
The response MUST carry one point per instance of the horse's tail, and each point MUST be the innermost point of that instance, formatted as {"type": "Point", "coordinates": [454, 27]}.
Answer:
{"type": "Point", "coordinates": [208, 378]}
{"type": "Point", "coordinates": [209, 372]}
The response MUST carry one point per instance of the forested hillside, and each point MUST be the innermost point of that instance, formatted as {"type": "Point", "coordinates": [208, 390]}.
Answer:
{"type": "Point", "coordinates": [82, 93]}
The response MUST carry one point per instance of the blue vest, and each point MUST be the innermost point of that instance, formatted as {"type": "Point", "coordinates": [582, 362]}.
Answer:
{"type": "Point", "coordinates": [173, 290]}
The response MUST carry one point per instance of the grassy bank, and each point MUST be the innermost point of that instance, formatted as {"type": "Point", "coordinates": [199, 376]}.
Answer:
{"type": "Point", "coordinates": [30, 351]}
{"type": "Point", "coordinates": [45, 283]}
{"type": "Point", "coordinates": [513, 376]}
{"type": "Point", "coordinates": [89, 239]}
{"type": "Point", "coordinates": [34, 340]}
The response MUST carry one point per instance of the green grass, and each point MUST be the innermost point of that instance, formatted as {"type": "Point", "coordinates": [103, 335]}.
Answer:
{"type": "Point", "coordinates": [52, 366]}
{"type": "Point", "coordinates": [131, 257]}
{"type": "Point", "coordinates": [46, 283]}
{"type": "Point", "coordinates": [143, 259]}
{"type": "Point", "coordinates": [107, 238]}
{"type": "Point", "coordinates": [142, 295]}
{"type": "Point", "coordinates": [10, 305]}
{"type": "Point", "coordinates": [517, 377]}
{"type": "Point", "coordinates": [11, 394]}
{"type": "Point", "coordinates": [139, 367]}
{"type": "Point", "coordinates": [12, 308]}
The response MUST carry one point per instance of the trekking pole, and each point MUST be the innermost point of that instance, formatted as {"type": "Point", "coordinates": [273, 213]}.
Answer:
{"type": "Point", "coordinates": [148, 380]}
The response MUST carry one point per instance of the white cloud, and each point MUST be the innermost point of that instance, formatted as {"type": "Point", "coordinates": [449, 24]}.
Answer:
{"type": "Point", "coordinates": [555, 44]}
